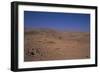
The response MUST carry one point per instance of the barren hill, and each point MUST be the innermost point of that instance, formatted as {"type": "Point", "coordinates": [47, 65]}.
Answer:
{"type": "Point", "coordinates": [49, 44]}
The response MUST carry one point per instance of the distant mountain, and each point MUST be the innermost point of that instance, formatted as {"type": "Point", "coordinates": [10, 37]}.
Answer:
{"type": "Point", "coordinates": [40, 31]}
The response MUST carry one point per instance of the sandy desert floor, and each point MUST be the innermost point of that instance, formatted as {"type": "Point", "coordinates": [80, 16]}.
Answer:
{"type": "Point", "coordinates": [49, 44]}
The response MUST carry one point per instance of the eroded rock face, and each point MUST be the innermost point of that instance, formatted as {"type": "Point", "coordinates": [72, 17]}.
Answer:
{"type": "Point", "coordinates": [41, 45]}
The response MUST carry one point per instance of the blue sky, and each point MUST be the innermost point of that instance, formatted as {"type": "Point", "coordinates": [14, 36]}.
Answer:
{"type": "Point", "coordinates": [57, 21]}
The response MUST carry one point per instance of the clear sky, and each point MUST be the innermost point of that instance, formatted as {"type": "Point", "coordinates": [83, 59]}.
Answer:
{"type": "Point", "coordinates": [58, 21]}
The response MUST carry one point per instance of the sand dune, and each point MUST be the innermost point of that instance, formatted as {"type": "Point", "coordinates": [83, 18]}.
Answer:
{"type": "Point", "coordinates": [49, 44]}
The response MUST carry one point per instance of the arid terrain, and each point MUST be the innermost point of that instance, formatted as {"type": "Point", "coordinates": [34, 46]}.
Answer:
{"type": "Point", "coordinates": [49, 44]}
